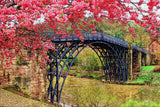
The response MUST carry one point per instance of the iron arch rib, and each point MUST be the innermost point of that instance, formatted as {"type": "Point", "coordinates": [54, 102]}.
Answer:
{"type": "Point", "coordinates": [70, 50]}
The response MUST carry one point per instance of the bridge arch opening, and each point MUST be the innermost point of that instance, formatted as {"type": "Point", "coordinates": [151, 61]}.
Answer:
{"type": "Point", "coordinates": [87, 61]}
{"type": "Point", "coordinates": [106, 53]}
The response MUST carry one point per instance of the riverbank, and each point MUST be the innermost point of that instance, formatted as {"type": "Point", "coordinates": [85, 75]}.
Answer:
{"type": "Point", "coordinates": [9, 99]}
{"type": "Point", "coordinates": [85, 92]}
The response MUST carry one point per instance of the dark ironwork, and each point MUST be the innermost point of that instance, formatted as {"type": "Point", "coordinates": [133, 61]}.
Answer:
{"type": "Point", "coordinates": [112, 52]}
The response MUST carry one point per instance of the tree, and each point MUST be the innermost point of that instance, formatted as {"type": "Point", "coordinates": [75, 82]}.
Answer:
{"type": "Point", "coordinates": [142, 38]}
{"type": "Point", "coordinates": [118, 30]}
{"type": "Point", "coordinates": [19, 27]}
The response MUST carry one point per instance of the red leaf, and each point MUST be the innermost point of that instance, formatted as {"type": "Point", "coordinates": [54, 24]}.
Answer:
{"type": "Point", "coordinates": [64, 36]}
{"type": "Point", "coordinates": [68, 43]}
{"type": "Point", "coordinates": [132, 31]}
{"type": "Point", "coordinates": [80, 26]}
{"type": "Point", "coordinates": [140, 2]}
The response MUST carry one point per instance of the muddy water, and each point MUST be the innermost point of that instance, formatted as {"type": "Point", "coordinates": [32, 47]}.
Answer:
{"type": "Point", "coordinates": [120, 93]}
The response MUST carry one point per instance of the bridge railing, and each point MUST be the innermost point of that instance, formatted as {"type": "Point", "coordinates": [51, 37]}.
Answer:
{"type": "Point", "coordinates": [89, 36]}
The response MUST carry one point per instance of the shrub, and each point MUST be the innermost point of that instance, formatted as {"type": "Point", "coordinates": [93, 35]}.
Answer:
{"type": "Point", "coordinates": [145, 77]}
{"type": "Point", "coordinates": [89, 60]}
{"type": "Point", "coordinates": [78, 75]}
{"type": "Point", "coordinates": [95, 76]}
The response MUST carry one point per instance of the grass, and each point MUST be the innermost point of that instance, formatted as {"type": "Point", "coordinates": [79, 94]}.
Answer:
{"type": "Point", "coordinates": [133, 103]}
{"type": "Point", "coordinates": [9, 99]}
{"type": "Point", "coordinates": [136, 81]}
{"type": "Point", "coordinates": [147, 68]}
{"type": "Point", "coordinates": [146, 77]}
{"type": "Point", "coordinates": [94, 96]}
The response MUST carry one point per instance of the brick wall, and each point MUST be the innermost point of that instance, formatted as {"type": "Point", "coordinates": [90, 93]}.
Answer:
{"type": "Point", "coordinates": [30, 70]}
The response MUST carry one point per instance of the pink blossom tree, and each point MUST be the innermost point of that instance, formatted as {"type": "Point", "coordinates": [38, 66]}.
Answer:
{"type": "Point", "coordinates": [18, 27]}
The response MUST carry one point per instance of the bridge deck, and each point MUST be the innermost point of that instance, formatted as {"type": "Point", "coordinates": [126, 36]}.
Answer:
{"type": "Point", "coordinates": [99, 36]}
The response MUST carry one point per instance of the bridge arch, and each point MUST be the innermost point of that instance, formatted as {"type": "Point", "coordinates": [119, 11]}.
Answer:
{"type": "Point", "coordinates": [110, 56]}
{"type": "Point", "coordinates": [115, 55]}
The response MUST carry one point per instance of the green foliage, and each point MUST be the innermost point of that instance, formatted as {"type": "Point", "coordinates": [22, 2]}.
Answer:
{"type": "Point", "coordinates": [145, 77]}
{"type": "Point", "coordinates": [75, 63]}
{"type": "Point", "coordinates": [142, 38]}
{"type": "Point", "coordinates": [65, 68]}
{"type": "Point", "coordinates": [95, 76]}
{"type": "Point", "coordinates": [117, 29]}
{"type": "Point", "coordinates": [147, 68]}
{"type": "Point", "coordinates": [151, 77]}
{"type": "Point", "coordinates": [137, 81]}
{"type": "Point", "coordinates": [118, 35]}
{"type": "Point", "coordinates": [72, 72]}
{"type": "Point", "coordinates": [78, 75]}
{"type": "Point", "coordinates": [88, 60]}
{"type": "Point", "coordinates": [133, 103]}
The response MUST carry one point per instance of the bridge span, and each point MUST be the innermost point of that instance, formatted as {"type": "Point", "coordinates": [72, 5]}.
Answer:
{"type": "Point", "coordinates": [116, 56]}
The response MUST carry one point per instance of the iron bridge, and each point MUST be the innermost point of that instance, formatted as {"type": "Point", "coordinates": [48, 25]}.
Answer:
{"type": "Point", "coordinates": [112, 52]}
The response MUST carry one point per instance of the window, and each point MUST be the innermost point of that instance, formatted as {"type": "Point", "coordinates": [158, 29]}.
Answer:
{"type": "Point", "coordinates": [152, 45]}
{"type": "Point", "coordinates": [152, 50]}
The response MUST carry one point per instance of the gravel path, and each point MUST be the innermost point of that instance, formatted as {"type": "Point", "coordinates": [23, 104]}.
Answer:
{"type": "Point", "coordinates": [9, 99]}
